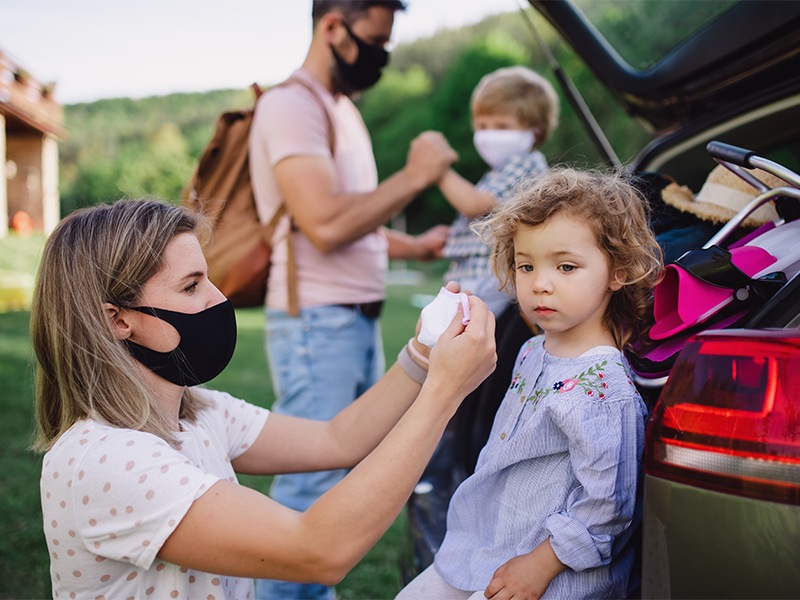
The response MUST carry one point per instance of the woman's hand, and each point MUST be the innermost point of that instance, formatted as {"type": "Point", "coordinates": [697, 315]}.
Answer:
{"type": "Point", "coordinates": [422, 349]}
{"type": "Point", "coordinates": [464, 355]}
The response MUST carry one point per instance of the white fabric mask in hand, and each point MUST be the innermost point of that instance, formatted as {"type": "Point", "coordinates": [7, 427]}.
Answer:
{"type": "Point", "coordinates": [496, 146]}
{"type": "Point", "coordinates": [437, 316]}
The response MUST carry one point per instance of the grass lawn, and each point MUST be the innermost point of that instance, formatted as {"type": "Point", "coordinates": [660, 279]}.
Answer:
{"type": "Point", "coordinates": [24, 564]}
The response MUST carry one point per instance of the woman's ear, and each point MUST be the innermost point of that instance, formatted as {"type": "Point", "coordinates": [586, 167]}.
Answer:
{"type": "Point", "coordinates": [119, 325]}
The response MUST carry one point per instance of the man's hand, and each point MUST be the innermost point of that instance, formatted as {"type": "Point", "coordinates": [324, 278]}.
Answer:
{"type": "Point", "coordinates": [431, 243]}
{"type": "Point", "coordinates": [425, 246]}
{"type": "Point", "coordinates": [429, 158]}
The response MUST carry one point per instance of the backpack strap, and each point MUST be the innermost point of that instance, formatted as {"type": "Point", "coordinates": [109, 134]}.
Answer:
{"type": "Point", "coordinates": [269, 229]}
{"type": "Point", "coordinates": [321, 102]}
{"type": "Point", "coordinates": [291, 263]}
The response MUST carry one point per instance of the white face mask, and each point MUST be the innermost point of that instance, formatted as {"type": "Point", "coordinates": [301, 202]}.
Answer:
{"type": "Point", "coordinates": [496, 146]}
{"type": "Point", "coordinates": [439, 313]}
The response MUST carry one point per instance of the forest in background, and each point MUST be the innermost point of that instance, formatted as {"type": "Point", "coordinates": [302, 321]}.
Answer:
{"type": "Point", "coordinates": [148, 147]}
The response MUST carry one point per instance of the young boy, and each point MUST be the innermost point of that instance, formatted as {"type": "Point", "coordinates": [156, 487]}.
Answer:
{"type": "Point", "coordinates": [514, 111]}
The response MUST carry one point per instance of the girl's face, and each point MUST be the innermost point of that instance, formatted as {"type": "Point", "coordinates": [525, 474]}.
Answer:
{"type": "Point", "coordinates": [564, 283]}
{"type": "Point", "coordinates": [182, 285]}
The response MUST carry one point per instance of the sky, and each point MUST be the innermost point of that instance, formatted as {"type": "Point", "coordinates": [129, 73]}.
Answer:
{"type": "Point", "coordinates": [94, 49]}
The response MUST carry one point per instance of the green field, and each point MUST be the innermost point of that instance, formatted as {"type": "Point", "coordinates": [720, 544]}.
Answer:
{"type": "Point", "coordinates": [23, 554]}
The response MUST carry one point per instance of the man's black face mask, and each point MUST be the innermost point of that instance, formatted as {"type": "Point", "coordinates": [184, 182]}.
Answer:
{"type": "Point", "coordinates": [365, 71]}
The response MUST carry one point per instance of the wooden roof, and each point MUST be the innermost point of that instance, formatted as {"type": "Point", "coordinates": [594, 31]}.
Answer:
{"type": "Point", "coordinates": [26, 103]}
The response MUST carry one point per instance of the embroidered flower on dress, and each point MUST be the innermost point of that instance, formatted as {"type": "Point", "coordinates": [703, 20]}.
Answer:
{"type": "Point", "coordinates": [589, 380]}
{"type": "Point", "coordinates": [569, 384]}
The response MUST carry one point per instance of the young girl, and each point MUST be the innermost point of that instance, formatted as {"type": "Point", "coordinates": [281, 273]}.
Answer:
{"type": "Point", "coordinates": [550, 509]}
{"type": "Point", "coordinates": [139, 492]}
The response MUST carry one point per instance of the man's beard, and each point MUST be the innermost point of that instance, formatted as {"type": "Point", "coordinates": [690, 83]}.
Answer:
{"type": "Point", "coordinates": [340, 86]}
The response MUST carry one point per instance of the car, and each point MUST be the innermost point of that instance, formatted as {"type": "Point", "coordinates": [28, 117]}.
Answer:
{"type": "Point", "coordinates": [721, 491]}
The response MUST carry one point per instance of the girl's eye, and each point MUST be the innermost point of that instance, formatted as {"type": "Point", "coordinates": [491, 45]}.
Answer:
{"type": "Point", "coordinates": [525, 268]}
{"type": "Point", "coordinates": [567, 268]}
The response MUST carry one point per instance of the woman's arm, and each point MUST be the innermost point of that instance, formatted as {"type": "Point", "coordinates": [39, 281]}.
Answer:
{"type": "Point", "coordinates": [234, 530]}
{"type": "Point", "coordinates": [290, 444]}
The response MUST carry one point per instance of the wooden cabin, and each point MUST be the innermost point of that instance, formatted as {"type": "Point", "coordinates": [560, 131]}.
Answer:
{"type": "Point", "coordinates": [31, 123]}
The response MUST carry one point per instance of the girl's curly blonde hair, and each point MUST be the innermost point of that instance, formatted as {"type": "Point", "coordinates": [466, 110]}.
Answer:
{"type": "Point", "coordinates": [618, 215]}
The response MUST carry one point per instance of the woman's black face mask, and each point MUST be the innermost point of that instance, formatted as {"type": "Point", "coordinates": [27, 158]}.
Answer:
{"type": "Point", "coordinates": [208, 339]}
{"type": "Point", "coordinates": [365, 71]}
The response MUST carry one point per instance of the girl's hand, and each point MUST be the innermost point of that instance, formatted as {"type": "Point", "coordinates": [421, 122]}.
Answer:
{"type": "Point", "coordinates": [525, 577]}
{"type": "Point", "coordinates": [518, 579]}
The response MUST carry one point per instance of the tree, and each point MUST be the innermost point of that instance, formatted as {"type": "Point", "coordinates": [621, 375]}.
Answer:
{"type": "Point", "coordinates": [160, 168]}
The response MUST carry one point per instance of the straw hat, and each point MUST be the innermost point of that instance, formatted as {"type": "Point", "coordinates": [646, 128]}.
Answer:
{"type": "Point", "coordinates": [722, 196]}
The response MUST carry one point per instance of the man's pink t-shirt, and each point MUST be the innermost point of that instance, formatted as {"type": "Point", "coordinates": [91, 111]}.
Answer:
{"type": "Point", "coordinates": [289, 122]}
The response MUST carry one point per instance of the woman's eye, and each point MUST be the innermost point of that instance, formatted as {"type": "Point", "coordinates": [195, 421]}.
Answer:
{"type": "Point", "coordinates": [190, 288]}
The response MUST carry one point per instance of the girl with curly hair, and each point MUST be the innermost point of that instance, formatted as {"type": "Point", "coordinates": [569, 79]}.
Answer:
{"type": "Point", "coordinates": [552, 506]}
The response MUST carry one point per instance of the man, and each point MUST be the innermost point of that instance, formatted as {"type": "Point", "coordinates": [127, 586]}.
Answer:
{"type": "Point", "coordinates": [310, 148]}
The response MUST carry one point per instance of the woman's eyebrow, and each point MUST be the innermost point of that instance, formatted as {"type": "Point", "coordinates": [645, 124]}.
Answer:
{"type": "Point", "coordinates": [192, 275]}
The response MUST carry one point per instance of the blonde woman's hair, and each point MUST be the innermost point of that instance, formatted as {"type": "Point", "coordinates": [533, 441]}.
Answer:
{"type": "Point", "coordinates": [98, 255]}
{"type": "Point", "coordinates": [521, 92]}
{"type": "Point", "coordinates": [617, 214]}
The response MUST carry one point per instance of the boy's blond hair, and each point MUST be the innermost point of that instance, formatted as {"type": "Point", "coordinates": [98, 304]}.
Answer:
{"type": "Point", "coordinates": [521, 92]}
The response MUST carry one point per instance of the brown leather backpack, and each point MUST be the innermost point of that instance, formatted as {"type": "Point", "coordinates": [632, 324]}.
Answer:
{"type": "Point", "coordinates": [239, 249]}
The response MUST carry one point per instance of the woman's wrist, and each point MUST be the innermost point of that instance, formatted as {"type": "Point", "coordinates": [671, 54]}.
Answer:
{"type": "Point", "coordinates": [419, 357]}
{"type": "Point", "coordinates": [413, 362]}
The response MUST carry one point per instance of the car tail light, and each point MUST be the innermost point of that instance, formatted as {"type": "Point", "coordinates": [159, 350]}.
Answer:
{"type": "Point", "coordinates": [728, 418]}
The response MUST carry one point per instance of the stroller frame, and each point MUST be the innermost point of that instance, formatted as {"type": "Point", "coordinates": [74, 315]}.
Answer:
{"type": "Point", "coordinates": [739, 161]}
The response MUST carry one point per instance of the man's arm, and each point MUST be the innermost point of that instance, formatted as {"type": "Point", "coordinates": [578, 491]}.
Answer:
{"type": "Point", "coordinates": [331, 218]}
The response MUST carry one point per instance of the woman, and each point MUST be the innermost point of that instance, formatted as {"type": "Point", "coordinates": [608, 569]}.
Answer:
{"type": "Point", "coordinates": [139, 493]}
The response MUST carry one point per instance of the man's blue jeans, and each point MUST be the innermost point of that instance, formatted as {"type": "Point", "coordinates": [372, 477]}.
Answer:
{"type": "Point", "coordinates": [320, 362]}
